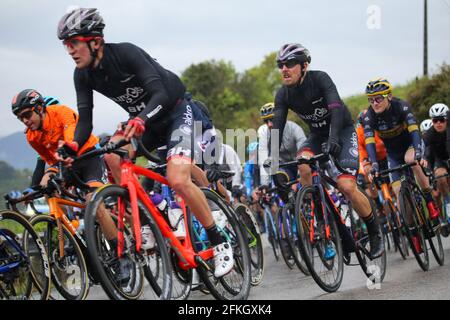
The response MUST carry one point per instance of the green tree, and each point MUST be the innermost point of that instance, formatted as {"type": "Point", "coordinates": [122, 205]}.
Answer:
{"type": "Point", "coordinates": [215, 83]}
{"type": "Point", "coordinates": [11, 179]}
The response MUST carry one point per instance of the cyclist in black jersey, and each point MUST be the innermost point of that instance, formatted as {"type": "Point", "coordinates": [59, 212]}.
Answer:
{"type": "Point", "coordinates": [154, 99]}
{"type": "Point", "coordinates": [396, 125]}
{"type": "Point", "coordinates": [436, 150]}
{"type": "Point", "coordinates": [315, 99]}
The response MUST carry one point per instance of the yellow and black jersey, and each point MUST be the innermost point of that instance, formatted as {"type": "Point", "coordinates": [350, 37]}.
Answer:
{"type": "Point", "coordinates": [396, 126]}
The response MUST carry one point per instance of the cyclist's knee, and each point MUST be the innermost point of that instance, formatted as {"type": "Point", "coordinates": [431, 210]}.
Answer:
{"type": "Point", "coordinates": [347, 187]}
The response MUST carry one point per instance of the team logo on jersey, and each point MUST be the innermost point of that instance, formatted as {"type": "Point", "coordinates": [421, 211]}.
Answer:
{"type": "Point", "coordinates": [187, 116]}
{"type": "Point", "coordinates": [131, 94]}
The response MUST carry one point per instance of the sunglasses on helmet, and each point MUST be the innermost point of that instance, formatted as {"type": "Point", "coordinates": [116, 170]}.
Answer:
{"type": "Point", "coordinates": [289, 63]}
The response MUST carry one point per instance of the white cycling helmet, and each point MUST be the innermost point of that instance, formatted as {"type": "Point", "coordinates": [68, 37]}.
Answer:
{"type": "Point", "coordinates": [438, 110]}
{"type": "Point", "coordinates": [425, 125]}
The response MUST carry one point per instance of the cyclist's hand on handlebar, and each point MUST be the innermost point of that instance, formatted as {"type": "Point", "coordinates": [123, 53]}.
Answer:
{"type": "Point", "coordinates": [374, 171]}
{"type": "Point", "coordinates": [333, 147]}
{"type": "Point", "coordinates": [46, 178]}
{"type": "Point", "coordinates": [134, 128]}
{"type": "Point", "coordinates": [423, 163]}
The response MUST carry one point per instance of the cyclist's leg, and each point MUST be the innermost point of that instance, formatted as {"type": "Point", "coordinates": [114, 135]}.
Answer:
{"type": "Point", "coordinates": [93, 173]}
{"type": "Point", "coordinates": [442, 183]}
{"type": "Point", "coordinates": [424, 184]}
{"type": "Point", "coordinates": [183, 151]}
{"type": "Point", "coordinates": [311, 146]}
{"type": "Point", "coordinates": [349, 161]}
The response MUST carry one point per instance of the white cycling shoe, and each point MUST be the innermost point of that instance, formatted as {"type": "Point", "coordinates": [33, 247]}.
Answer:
{"type": "Point", "coordinates": [223, 259]}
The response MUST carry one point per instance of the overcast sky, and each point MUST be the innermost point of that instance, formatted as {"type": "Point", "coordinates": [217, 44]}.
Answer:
{"type": "Point", "coordinates": [354, 41]}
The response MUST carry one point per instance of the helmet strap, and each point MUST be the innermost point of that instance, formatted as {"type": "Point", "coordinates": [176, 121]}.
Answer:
{"type": "Point", "coordinates": [40, 112]}
{"type": "Point", "coordinates": [94, 54]}
{"type": "Point", "coordinates": [303, 71]}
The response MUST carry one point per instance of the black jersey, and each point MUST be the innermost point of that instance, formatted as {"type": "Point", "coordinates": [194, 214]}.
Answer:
{"type": "Point", "coordinates": [316, 101]}
{"type": "Point", "coordinates": [133, 79]}
{"type": "Point", "coordinates": [436, 144]}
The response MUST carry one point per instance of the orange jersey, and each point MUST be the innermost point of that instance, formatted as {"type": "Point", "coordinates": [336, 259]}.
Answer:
{"type": "Point", "coordinates": [379, 145]}
{"type": "Point", "coordinates": [58, 124]}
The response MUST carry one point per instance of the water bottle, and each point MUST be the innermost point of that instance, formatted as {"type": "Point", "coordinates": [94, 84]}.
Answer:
{"type": "Point", "coordinates": [202, 239]}
{"type": "Point", "coordinates": [176, 219]}
{"type": "Point", "coordinates": [159, 201]}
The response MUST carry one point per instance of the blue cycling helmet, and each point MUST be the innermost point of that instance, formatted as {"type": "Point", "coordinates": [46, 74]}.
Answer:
{"type": "Point", "coordinates": [49, 101]}
{"type": "Point", "coordinates": [252, 147]}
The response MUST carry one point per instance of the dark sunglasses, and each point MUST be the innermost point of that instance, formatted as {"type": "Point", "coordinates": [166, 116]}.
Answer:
{"type": "Point", "coordinates": [378, 99]}
{"type": "Point", "coordinates": [436, 120]}
{"type": "Point", "coordinates": [25, 115]}
{"type": "Point", "coordinates": [289, 63]}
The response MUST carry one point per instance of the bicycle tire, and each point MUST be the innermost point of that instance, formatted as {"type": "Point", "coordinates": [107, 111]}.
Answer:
{"type": "Point", "coordinates": [34, 267]}
{"type": "Point", "coordinates": [283, 241]}
{"type": "Point", "coordinates": [102, 262]}
{"type": "Point", "coordinates": [291, 231]}
{"type": "Point", "coordinates": [236, 284]}
{"type": "Point", "coordinates": [407, 204]}
{"type": "Point", "coordinates": [250, 226]}
{"type": "Point", "coordinates": [272, 237]}
{"type": "Point", "coordinates": [438, 252]}
{"type": "Point", "coordinates": [303, 205]}
{"type": "Point", "coordinates": [398, 233]}
{"type": "Point", "coordinates": [70, 274]}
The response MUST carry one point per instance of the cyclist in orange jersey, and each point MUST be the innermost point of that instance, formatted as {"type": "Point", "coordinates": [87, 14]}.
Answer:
{"type": "Point", "coordinates": [51, 128]}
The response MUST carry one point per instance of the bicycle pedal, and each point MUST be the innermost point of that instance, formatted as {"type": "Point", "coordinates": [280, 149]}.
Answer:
{"type": "Point", "coordinates": [199, 260]}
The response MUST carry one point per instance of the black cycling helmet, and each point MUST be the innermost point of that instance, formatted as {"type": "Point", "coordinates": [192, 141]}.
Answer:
{"type": "Point", "coordinates": [293, 51]}
{"type": "Point", "coordinates": [25, 99]}
{"type": "Point", "coordinates": [81, 22]}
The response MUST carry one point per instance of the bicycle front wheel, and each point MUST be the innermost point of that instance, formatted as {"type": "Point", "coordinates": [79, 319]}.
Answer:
{"type": "Point", "coordinates": [250, 228]}
{"type": "Point", "coordinates": [322, 256]}
{"type": "Point", "coordinates": [103, 252]}
{"type": "Point", "coordinates": [69, 271]}
{"type": "Point", "coordinates": [413, 227]}
{"type": "Point", "coordinates": [25, 269]}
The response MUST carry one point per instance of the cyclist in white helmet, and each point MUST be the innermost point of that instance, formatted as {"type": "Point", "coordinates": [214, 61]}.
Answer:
{"type": "Point", "coordinates": [437, 154]}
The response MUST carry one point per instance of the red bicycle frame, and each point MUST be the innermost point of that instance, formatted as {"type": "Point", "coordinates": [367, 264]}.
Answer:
{"type": "Point", "coordinates": [129, 180]}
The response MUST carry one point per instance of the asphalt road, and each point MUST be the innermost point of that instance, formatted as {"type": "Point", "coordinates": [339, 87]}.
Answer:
{"type": "Point", "coordinates": [404, 280]}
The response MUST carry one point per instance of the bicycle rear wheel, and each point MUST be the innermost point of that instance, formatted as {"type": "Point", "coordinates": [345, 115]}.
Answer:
{"type": "Point", "coordinates": [103, 253]}
{"type": "Point", "coordinates": [24, 265]}
{"type": "Point", "coordinates": [250, 228]}
{"type": "Point", "coordinates": [236, 284]}
{"type": "Point", "coordinates": [69, 272]}
{"type": "Point", "coordinates": [413, 227]}
{"type": "Point", "coordinates": [326, 271]}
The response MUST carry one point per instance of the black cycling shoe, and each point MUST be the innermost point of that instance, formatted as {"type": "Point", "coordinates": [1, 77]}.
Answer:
{"type": "Point", "coordinates": [376, 245]}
